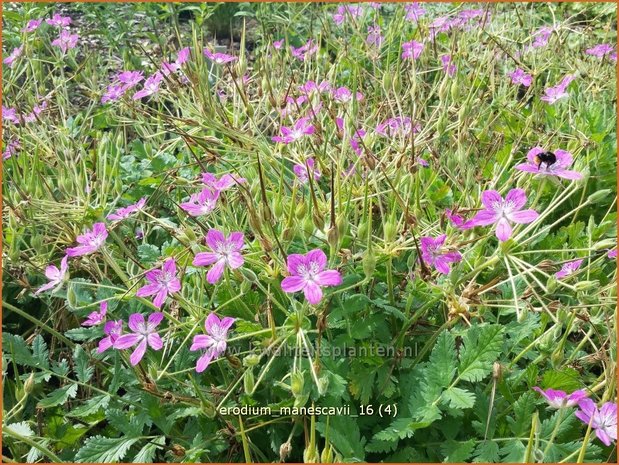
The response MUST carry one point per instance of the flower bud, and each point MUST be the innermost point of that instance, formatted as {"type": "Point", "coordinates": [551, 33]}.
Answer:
{"type": "Point", "coordinates": [284, 451]}
{"type": "Point", "coordinates": [308, 226]}
{"type": "Point", "coordinates": [583, 285]}
{"type": "Point", "coordinates": [318, 220]}
{"type": "Point", "coordinates": [296, 383]}
{"type": "Point", "coordinates": [278, 208]}
{"type": "Point", "coordinates": [29, 384]}
{"type": "Point", "coordinates": [333, 237]}
{"type": "Point", "coordinates": [249, 381]}
{"type": "Point", "coordinates": [599, 196]}
{"type": "Point", "coordinates": [249, 275]}
{"type": "Point", "coordinates": [251, 360]}
{"type": "Point", "coordinates": [326, 456]}
{"type": "Point", "coordinates": [323, 385]}
{"type": "Point", "coordinates": [310, 454]}
{"type": "Point", "coordinates": [300, 211]}
{"type": "Point", "coordinates": [369, 263]}
{"type": "Point", "coordinates": [390, 230]}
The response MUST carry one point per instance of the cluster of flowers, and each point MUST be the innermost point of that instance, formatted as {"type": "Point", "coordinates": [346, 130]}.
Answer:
{"type": "Point", "coordinates": [603, 420]}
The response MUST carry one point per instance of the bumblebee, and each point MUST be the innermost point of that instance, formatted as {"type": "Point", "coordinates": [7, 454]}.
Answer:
{"type": "Point", "coordinates": [548, 158]}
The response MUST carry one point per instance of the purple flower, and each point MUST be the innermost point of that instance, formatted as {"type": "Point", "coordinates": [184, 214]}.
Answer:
{"type": "Point", "coordinates": [130, 79]}
{"type": "Point", "coordinates": [600, 50]}
{"type": "Point", "coordinates": [304, 51]}
{"type": "Point", "coordinates": [66, 40]}
{"type": "Point", "coordinates": [412, 49]}
{"type": "Point", "coordinates": [12, 148]}
{"type": "Point", "coordinates": [448, 65]}
{"type": "Point", "coordinates": [225, 182]}
{"type": "Point", "coordinates": [310, 86]}
{"type": "Point", "coordinates": [151, 86]}
{"type": "Point", "coordinates": [214, 342]}
{"type": "Point", "coordinates": [353, 10]}
{"type": "Point", "coordinates": [183, 56]}
{"type": "Point", "coordinates": [144, 335]}
{"type": "Point", "coordinates": [559, 399]}
{"type": "Point", "coordinates": [202, 203]}
{"type": "Point", "coordinates": [219, 58]}
{"type": "Point", "coordinates": [302, 127]}
{"type": "Point", "coordinates": [345, 95]}
{"type": "Point", "coordinates": [541, 36]}
{"type": "Point", "coordinates": [603, 421]}
{"type": "Point", "coordinates": [414, 11]}
{"type": "Point", "coordinates": [32, 25]}
{"type": "Point", "coordinates": [226, 252]}
{"type": "Point", "coordinates": [15, 54]}
{"type": "Point", "coordinates": [433, 254]}
{"type": "Point", "coordinates": [112, 329]}
{"type": "Point", "coordinates": [55, 275]}
{"type": "Point", "coordinates": [126, 212]}
{"type": "Point", "coordinates": [277, 44]}
{"type": "Point", "coordinates": [519, 77]}
{"type": "Point", "coordinates": [169, 68]}
{"type": "Point", "coordinates": [400, 125]}
{"type": "Point", "coordinates": [559, 91]}
{"type": "Point", "coordinates": [558, 168]}
{"type": "Point", "coordinates": [568, 268]}
{"type": "Point", "coordinates": [58, 21]}
{"type": "Point", "coordinates": [96, 318]}
{"type": "Point", "coordinates": [301, 171]}
{"type": "Point", "coordinates": [502, 212]}
{"type": "Point", "coordinates": [90, 241]}
{"type": "Point", "coordinates": [113, 93]}
{"type": "Point", "coordinates": [456, 220]}
{"type": "Point", "coordinates": [374, 38]}
{"type": "Point", "coordinates": [161, 283]}
{"type": "Point", "coordinates": [10, 114]}
{"type": "Point", "coordinates": [612, 254]}
{"type": "Point", "coordinates": [308, 274]}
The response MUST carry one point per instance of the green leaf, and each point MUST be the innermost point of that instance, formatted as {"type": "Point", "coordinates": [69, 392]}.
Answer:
{"type": "Point", "coordinates": [59, 396]}
{"type": "Point", "coordinates": [442, 365]}
{"type": "Point", "coordinates": [148, 253]}
{"type": "Point", "coordinates": [147, 453]}
{"type": "Point", "coordinates": [482, 345]}
{"type": "Point", "coordinates": [455, 451]}
{"type": "Point", "coordinates": [83, 368]}
{"type": "Point", "coordinates": [459, 398]}
{"type": "Point", "coordinates": [566, 379]}
{"type": "Point", "coordinates": [513, 452]}
{"type": "Point", "coordinates": [345, 437]}
{"type": "Point", "coordinates": [486, 452]}
{"type": "Point", "coordinates": [40, 354]}
{"type": "Point", "coordinates": [98, 449]}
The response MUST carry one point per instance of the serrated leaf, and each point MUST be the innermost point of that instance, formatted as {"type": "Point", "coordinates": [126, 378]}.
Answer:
{"type": "Point", "coordinates": [455, 451]}
{"type": "Point", "coordinates": [513, 452]}
{"type": "Point", "coordinates": [148, 451]}
{"type": "Point", "coordinates": [482, 346]}
{"type": "Point", "coordinates": [459, 398]}
{"type": "Point", "coordinates": [40, 354]}
{"type": "Point", "coordinates": [22, 428]}
{"type": "Point", "coordinates": [59, 396]}
{"type": "Point", "coordinates": [99, 449]}
{"type": "Point", "coordinates": [442, 366]}
{"type": "Point", "coordinates": [486, 452]}
{"type": "Point", "coordinates": [83, 368]}
{"type": "Point", "coordinates": [345, 437]}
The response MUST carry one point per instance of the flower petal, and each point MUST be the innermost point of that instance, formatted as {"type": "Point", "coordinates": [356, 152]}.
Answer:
{"type": "Point", "coordinates": [204, 361]}
{"type": "Point", "coordinates": [138, 353]}
{"type": "Point", "coordinates": [154, 341]}
{"type": "Point", "coordinates": [489, 198]}
{"type": "Point", "coordinates": [503, 230]}
{"type": "Point", "coordinates": [517, 198]}
{"type": "Point", "coordinates": [127, 340]}
{"type": "Point", "coordinates": [148, 290]}
{"type": "Point", "coordinates": [235, 260]}
{"type": "Point", "coordinates": [523, 216]}
{"type": "Point", "coordinates": [214, 274]}
{"type": "Point", "coordinates": [214, 239]}
{"type": "Point", "coordinates": [313, 293]}
{"type": "Point", "coordinates": [293, 284]}
{"type": "Point", "coordinates": [136, 322]}
{"type": "Point", "coordinates": [294, 261]}
{"type": "Point", "coordinates": [328, 278]}
{"type": "Point", "coordinates": [205, 258]}
{"type": "Point", "coordinates": [316, 256]}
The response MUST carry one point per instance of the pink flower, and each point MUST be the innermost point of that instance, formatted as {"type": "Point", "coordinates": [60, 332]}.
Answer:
{"type": "Point", "coordinates": [603, 421]}
{"type": "Point", "coordinates": [502, 212]}
{"type": "Point", "coordinates": [559, 91]}
{"type": "Point", "coordinates": [301, 171]}
{"type": "Point", "coordinates": [96, 318]}
{"type": "Point", "coordinates": [278, 44]}
{"type": "Point", "coordinates": [59, 21]}
{"type": "Point", "coordinates": [126, 212]}
{"type": "Point", "coordinates": [400, 125]}
{"type": "Point", "coordinates": [112, 329]}
{"type": "Point", "coordinates": [90, 241]}
{"type": "Point", "coordinates": [456, 220]}
{"type": "Point", "coordinates": [519, 77]}
{"type": "Point", "coordinates": [32, 25]}
{"type": "Point", "coordinates": [308, 274]}
{"type": "Point", "coordinates": [113, 93]}
{"type": "Point", "coordinates": [15, 54]}
{"type": "Point", "coordinates": [225, 182]}
{"type": "Point", "coordinates": [560, 399]}
{"type": "Point", "coordinates": [12, 148]}
{"type": "Point", "coordinates": [374, 38]}
{"type": "Point", "coordinates": [161, 283]}
{"type": "Point", "coordinates": [10, 114]}
{"type": "Point", "coordinates": [225, 253]}
{"type": "Point", "coordinates": [340, 16]}
{"type": "Point", "coordinates": [310, 86]}
{"type": "Point", "coordinates": [183, 56]}
{"type": "Point", "coordinates": [304, 51]}
{"type": "Point", "coordinates": [433, 254]}
{"type": "Point", "coordinates": [448, 65]}
{"type": "Point", "coordinates": [613, 56]}
{"type": "Point", "coordinates": [612, 254]}
{"type": "Point", "coordinates": [414, 11]}
{"type": "Point", "coordinates": [541, 36]}
{"type": "Point", "coordinates": [144, 335]}
{"type": "Point", "coordinates": [55, 275]}
{"type": "Point", "coordinates": [219, 58]}
{"type": "Point", "coordinates": [301, 128]}
{"type": "Point", "coordinates": [202, 203]}
{"type": "Point", "coordinates": [214, 342]}
{"type": "Point", "coordinates": [66, 40]}
{"type": "Point", "coordinates": [151, 86]}
{"type": "Point", "coordinates": [130, 79]}
{"type": "Point", "coordinates": [600, 50]}
{"type": "Point", "coordinates": [412, 49]}
{"type": "Point", "coordinates": [536, 165]}
{"type": "Point", "coordinates": [568, 268]}
{"type": "Point", "coordinates": [344, 95]}
{"type": "Point", "coordinates": [169, 68]}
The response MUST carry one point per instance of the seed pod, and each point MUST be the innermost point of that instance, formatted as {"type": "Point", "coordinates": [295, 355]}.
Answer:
{"type": "Point", "coordinates": [442, 90]}
{"type": "Point", "coordinates": [278, 208]}
{"type": "Point", "coordinates": [29, 384]}
{"type": "Point", "coordinates": [288, 233]}
{"type": "Point", "coordinates": [390, 229]}
{"type": "Point", "coordinates": [326, 456]}
{"type": "Point", "coordinates": [310, 454]}
{"type": "Point", "coordinates": [454, 90]}
{"type": "Point", "coordinates": [369, 263]}
{"type": "Point", "coordinates": [342, 225]}
{"type": "Point", "coordinates": [249, 381]}
{"type": "Point", "coordinates": [300, 211]}
{"type": "Point", "coordinates": [362, 230]}
{"type": "Point", "coordinates": [284, 451]}
{"type": "Point", "coordinates": [318, 220]}
{"type": "Point", "coordinates": [308, 226]}
{"type": "Point", "coordinates": [296, 383]}
{"type": "Point", "coordinates": [333, 237]}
